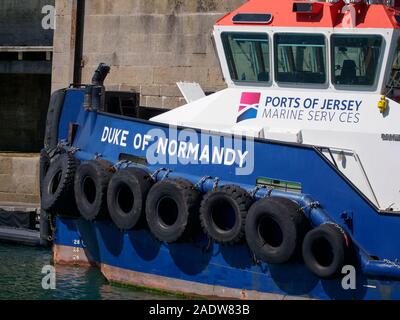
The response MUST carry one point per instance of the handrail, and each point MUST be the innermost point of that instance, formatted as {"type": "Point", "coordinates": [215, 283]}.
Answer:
{"type": "Point", "coordinates": [354, 154]}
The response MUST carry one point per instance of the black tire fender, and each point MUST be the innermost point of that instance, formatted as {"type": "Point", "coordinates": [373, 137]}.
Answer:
{"type": "Point", "coordinates": [172, 209]}
{"type": "Point", "coordinates": [53, 118]}
{"type": "Point", "coordinates": [91, 183]}
{"type": "Point", "coordinates": [223, 213]}
{"type": "Point", "coordinates": [126, 197]}
{"type": "Point", "coordinates": [44, 165]}
{"type": "Point", "coordinates": [58, 184]}
{"type": "Point", "coordinates": [324, 250]}
{"type": "Point", "coordinates": [275, 229]}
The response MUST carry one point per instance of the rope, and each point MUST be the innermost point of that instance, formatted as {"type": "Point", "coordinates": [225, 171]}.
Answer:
{"type": "Point", "coordinates": [73, 150]}
{"type": "Point", "coordinates": [119, 164]}
{"type": "Point", "coordinates": [62, 144]}
{"type": "Point", "coordinates": [155, 174]}
{"type": "Point", "coordinates": [199, 184]}
{"type": "Point", "coordinates": [342, 231]}
{"type": "Point", "coordinates": [216, 183]}
{"type": "Point", "coordinates": [167, 174]}
{"type": "Point", "coordinates": [312, 205]}
{"type": "Point", "coordinates": [258, 188]}
{"type": "Point", "coordinates": [97, 156]}
{"type": "Point", "coordinates": [54, 151]}
{"type": "Point", "coordinates": [255, 191]}
{"type": "Point", "coordinates": [391, 263]}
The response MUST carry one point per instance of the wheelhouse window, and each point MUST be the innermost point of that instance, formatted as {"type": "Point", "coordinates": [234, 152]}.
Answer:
{"type": "Point", "coordinates": [355, 59]}
{"type": "Point", "coordinates": [300, 58]}
{"type": "Point", "coordinates": [393, 86]}
{"type": "Point", "coordinates": [248, 56]}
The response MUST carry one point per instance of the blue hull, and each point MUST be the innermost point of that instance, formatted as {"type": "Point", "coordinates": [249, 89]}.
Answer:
{"type": "Point", "coordinates": [199, 263]}
{"type": "Point", "coordinates": [374, 233]}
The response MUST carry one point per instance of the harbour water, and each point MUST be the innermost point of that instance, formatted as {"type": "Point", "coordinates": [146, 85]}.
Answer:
{"type": "Point", "coordinates": [21, 279]}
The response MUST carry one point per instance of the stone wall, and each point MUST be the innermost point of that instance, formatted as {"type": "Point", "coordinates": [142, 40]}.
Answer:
{"type": "Point", "coordinates": [19, 180]}
{"type": "Point", "coordinates": [64, 44]}
{"type": "Point", "coordinates": [150, 44]}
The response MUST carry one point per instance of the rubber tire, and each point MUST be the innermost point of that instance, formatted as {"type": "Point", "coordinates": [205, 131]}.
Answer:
{"type": "Point", "coordinates": [99, 172]}
{"type": "Point", "coordinates": [336, 240]}
{"type": "Point", "coordinates": [44, 165]}
{"type": "Point", "coordinates": [291, 221]}
{"type": "Point", "coordinates": [140, 183]}
{"type": "Point", "coordinates": [239, 199]}
{"type": "Point", "coordinates": [62, 198]}
{"type": "Point", "coordinates": [53, 118]}
{"type": "Point", "coordinates": [187, 200]}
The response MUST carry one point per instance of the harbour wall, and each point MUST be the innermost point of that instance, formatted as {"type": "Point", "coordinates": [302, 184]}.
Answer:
{"type": "Point", "coordinates": [19, 182]}
{"type": "Point", "coordinates": [149, 44]}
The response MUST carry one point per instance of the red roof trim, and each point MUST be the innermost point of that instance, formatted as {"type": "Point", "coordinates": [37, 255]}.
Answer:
{"type": "Point", "coordinates": [368, 16]}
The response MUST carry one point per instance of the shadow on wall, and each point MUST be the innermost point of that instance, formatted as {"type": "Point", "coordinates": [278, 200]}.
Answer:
{"type": "Point", "coordinates": [23, 110]}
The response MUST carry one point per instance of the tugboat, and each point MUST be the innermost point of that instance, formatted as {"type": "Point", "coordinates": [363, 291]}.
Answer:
{"type": "Point", "coordinates": [284, 185]}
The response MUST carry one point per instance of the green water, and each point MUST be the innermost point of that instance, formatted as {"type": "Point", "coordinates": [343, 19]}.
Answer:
{"type": "Point", "coordinates": [21, 279]}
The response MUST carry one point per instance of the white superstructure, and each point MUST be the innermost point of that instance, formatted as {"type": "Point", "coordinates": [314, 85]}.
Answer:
{"type": "Point", "coordinates": [322, 74]}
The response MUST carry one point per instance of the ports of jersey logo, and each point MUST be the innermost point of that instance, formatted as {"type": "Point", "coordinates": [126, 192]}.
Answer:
{"type": "Point", "coordinates": [248, 107]}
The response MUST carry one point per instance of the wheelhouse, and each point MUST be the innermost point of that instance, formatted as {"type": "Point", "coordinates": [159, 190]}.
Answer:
{"type": "Point", "coordinates": [311, 47]}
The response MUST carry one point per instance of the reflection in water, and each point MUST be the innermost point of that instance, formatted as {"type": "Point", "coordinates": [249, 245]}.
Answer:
{"type": "Point", "coordinates": [21, 279]}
